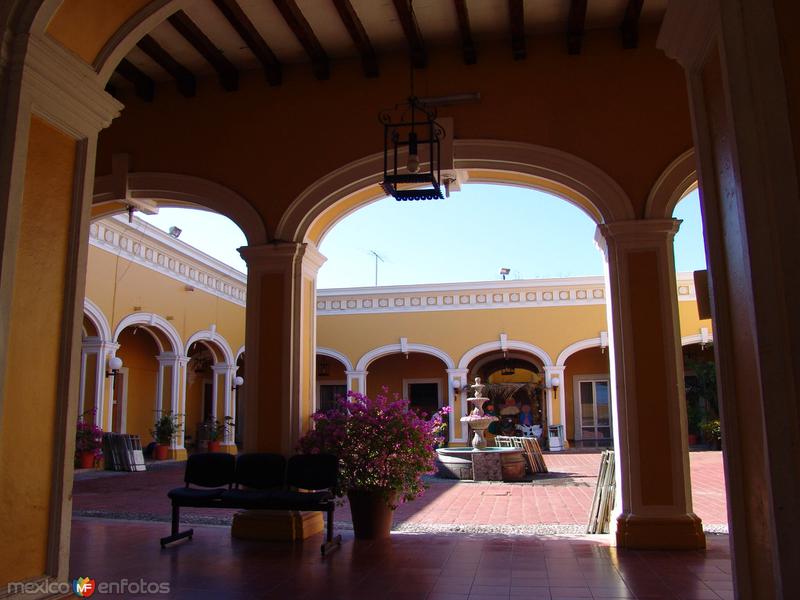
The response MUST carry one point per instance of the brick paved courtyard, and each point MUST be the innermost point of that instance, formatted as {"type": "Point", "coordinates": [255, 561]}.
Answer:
{"type": "Point", "coordinates": [561, 499]}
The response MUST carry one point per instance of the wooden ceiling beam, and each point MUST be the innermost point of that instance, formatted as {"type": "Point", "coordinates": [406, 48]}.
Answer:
{"type": "Point", "coordinates": [516, 17]}
{"type": "Point", "coordinates": [239, 20]}
{"type": "Point", "coordinates": [467, 44]}
{"type": "Point", "coordinates": [228, 75]}
{"type": "Point", "coordinates": [630, 24]}
{"type": "Point", "coordinates": [359, 36]}
{"type": "Point", "coordinates": [182, 76]}
{"type": "Point", "coordinates": [144, 86]}
{"type": "Point", "coordinates": [305, 35]}
{"type": "Point", "coordinates": [576, 26]}
{"type": "Point", "coordinates": [419, 56]}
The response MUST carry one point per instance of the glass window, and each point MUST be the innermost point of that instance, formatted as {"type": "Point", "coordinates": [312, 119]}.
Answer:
{"type": "Point", "coordinates": [595, 412]}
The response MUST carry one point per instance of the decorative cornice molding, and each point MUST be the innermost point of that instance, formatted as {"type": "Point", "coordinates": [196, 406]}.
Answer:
{"type": "Point", "coordinates": [60, 87]}
{"type": "Point", "coordinates": [688, 30]}
{"type": "Point", "coordinates": [531, 293]}
{"type": "Point", "coordinates": [156, 250]}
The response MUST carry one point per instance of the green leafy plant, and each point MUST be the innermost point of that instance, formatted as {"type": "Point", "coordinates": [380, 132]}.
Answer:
{"type": "Point", "coordinates": [218, 430]}
{"type": "Point", "coordinates": [712, 431]}
{"type": "Point", "coordinates": [166, 428]}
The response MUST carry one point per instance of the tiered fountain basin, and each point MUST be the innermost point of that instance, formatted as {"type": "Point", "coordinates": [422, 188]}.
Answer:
{"type": "Point", "coordinates": [481, 463]}
{"type": "Point", "coordinates": [488, 464]}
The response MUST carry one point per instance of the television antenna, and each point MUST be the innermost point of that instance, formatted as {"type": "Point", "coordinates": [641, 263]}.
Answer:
{"type": "Point", "coordinates": [378, 257]}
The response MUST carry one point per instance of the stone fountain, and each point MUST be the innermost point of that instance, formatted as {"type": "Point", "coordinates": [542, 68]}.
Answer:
{"type": "Point", "coordinates": [477, 420]}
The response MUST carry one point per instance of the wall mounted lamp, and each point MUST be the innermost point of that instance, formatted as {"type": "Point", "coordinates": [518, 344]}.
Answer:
{"type": "Point", "coordinates": [238, 381]}
{"type": "Point", "coordinates": [115, 364]}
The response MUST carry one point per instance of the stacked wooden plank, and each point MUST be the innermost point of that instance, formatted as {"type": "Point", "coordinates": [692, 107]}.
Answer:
{"type": "Point", "coordinates": [604, 493]}
{"type": "Point", "coordinates": [533, 452]}
{"type": "Point", "coordinates": [123, 452]}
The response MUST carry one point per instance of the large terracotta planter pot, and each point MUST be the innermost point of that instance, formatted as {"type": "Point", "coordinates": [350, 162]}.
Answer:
{"type": "Point", "coordinates": [162, 452]}
{"type": "Point", "coordinates": [372, 514]}
{"type": "Point", "coordinates": [87, 460]}
{"type": "Point", "coordinates": [213, 446]}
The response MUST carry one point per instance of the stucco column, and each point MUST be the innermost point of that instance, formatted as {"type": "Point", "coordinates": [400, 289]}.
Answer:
{"type": "Point", "coordinates": [53, 107]}
{"type": "Point", "coordinates": [158, 401]}
{"type": "Point", "coordinates": [103, 386]}
{"type": "Point", "coordinates": [226, 372]}
{"type": "Point", "coordinates": [650, 425]}
{"type": "Point", "coordinates": [554, 396]}
{"type": "Point", "coordinates": [357, 381]}
{"type": "Point", "coordinates": [280, 340]}
{"type": "Point", "coordinates": [182, 364]}
{"type": "Point", "coordinates": [741, 69]}
{"type": "Point", "coordinates": [173, 362]}
{"type": "Point", "coordinates": [457, 400]}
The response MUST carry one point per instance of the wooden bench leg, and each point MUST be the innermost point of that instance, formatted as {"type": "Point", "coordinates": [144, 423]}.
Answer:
{"type": "Point", "coordinates": [331, 542]}
{"type": "Point", "coordinates": [176, 533]}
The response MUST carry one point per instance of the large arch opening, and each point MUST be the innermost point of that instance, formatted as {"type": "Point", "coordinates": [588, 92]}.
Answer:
{"type": "Point", "coordinates": [109, 62]}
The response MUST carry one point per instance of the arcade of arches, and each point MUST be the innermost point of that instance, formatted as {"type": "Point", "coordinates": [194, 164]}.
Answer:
{"type": "Point", "coordinates": [608, 129]}
{"type": "Point", "coordinates": [176, 316]}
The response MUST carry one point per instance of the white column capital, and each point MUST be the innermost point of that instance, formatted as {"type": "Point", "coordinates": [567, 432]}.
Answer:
{"type": "Point", "coordinates": [637, 233]}
{"type": "Point", "coordinates": [94, 345]}
{"type": "Point", "coordinates": [61, 87]}
{"type": "Point", "coordinates": [280, 256]}
{"type": "Point", "coordinates": [167, 358]}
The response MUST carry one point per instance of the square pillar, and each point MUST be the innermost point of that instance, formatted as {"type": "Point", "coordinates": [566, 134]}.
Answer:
{"type": "Point", "coordinates": [741, 63]}
{"type": "Point", "coordinates": [650, 426]}
{"type": "Point", "coordinates": [357, 381]}
{"type": "Point", "coordinates": [458, 404]}
{"type": "Point", "coordinates": [280, 338]}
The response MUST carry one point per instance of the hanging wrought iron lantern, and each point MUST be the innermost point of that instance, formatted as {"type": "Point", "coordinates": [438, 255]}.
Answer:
{"type": "Point", "coordinates": [507, 368]}
{"type": "Point", "coordinates": [411, 128]}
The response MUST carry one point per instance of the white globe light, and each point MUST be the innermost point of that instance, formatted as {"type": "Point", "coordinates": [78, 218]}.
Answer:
{"type": "Point", "coordinates": [555, 380]}
{"type": "Point", "coordinates": [238, 380]}
{"type": "Point", "coordinates": [115, 363]}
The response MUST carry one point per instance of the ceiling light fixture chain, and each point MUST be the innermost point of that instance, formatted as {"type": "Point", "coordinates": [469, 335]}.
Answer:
{"type": "Point", "coordinates": [411, 128]}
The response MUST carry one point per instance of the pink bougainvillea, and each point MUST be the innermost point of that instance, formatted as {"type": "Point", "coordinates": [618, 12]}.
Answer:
{"type": "Point", "coordinates": [380, 442]}
{"type": "Point", "coordinates": [88, 437]}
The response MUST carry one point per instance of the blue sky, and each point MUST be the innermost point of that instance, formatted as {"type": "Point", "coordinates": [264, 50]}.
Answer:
{"type": "Point", "coordinates": [467, 237]}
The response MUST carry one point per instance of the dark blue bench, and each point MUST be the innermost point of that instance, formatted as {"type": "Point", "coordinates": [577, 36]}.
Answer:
{"type": "Point", "coordinates": [260, 481]}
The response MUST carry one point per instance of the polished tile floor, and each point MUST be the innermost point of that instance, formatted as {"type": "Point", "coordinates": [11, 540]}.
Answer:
{"type": "Point", "coordinates": [405, 567]}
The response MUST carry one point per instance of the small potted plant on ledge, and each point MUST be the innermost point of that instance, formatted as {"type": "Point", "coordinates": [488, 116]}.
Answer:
{"type": "Point", "coordinates": [88, 442]}
{"type": "Point", "coordinates": [217, 431]}
{"type": "Point", "coordinates": [163, 432]}
{"type": "Point", "coordinates": [384, 448]}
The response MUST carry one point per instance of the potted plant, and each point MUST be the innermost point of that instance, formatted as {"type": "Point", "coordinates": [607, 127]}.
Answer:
{"type": "Point", "coordinates": [217, 431]}
{"type": "Point", "coordinates": [88, 442]}
{"type": "Point", "coordinates": [163, 432]}
{"type": "Point", "coordinates": [383, 447]}
{"type": "Point", "coordinates": [713, 434]}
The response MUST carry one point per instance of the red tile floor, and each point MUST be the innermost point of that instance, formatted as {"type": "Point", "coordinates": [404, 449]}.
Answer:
{"type": "Point", "coordinates": [562, 499]}
{"type": "Point", "coordinates": [405, 567]}
{"type": "Point", "coordinates": [430, 565]}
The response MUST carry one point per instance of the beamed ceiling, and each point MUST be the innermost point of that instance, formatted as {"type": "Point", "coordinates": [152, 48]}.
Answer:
{"type": "Point", "coordinates": [225, 37]}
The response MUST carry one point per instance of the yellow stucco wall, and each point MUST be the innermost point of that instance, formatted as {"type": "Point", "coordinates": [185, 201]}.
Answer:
{"type": "Point", "coordinates": [84, 26]}
{"type": "Point", "coordinates": [137, 352]}
{"type": "Point", "coordinates": [139, 286]}
{"type": "Point", "coordinates": [455, 332]}
{"type": "Point", "coordinates": [31, 381]}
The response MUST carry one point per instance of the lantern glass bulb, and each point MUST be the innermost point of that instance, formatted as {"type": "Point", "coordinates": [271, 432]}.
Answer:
{"type": "Point", "coordinates": [238, 380]}
{"type": "Point", "coordinates": [115, 363]}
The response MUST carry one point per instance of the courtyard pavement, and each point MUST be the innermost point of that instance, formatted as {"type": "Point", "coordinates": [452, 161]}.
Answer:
{"type": "Point", "coordinates": [558, 502]}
